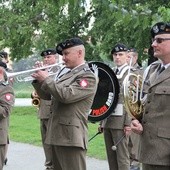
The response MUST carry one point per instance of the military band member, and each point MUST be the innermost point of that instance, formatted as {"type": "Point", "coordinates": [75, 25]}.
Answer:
{"type": "Point", "coordinates": [50, 57]}
{"type": "Point", "coordinates": [6, 104]}
{"type": "Point", "coordinates": [72, 97]}
{"type": "Point", "coordinates": [4, 60]}
{"type": "Point", "coordinates": [134, 139]}
{"type": "Point", "coordinates": [154, 126]}
{"type": "Point", "coordinates": [118, 123]}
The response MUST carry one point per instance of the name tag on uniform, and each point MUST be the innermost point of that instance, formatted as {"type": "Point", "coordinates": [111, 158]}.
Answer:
{"type": "Point", "coordinates": [118, 110]}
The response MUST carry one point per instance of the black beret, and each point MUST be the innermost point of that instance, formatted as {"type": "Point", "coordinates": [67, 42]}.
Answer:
{"type": "Point", "coordinates": [119, 48]}
{"type": "Point", "coordinates": [3, 54]}
{"type": "Point", "coordinates": [49, 51]}
{"type": "Point", "coordinates": [160, 28]}
{"type": "Point", "coordinates": [132, 50]}
{"type": "Point", "coordinates": [68, 44]}
{"type": "Point", "coordinates": [2, 64]}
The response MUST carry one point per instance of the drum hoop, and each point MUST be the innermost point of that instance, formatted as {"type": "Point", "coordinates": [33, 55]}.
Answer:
{"type": "Point", "coordinates": [116, 89]}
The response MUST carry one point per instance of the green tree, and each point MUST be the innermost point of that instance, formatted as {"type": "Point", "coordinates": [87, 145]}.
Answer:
{"type": "Point", "coordinates": [27, 27]}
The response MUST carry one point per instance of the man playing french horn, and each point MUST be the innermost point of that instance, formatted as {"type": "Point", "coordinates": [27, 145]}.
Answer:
{"type": "Point", "coordinates": [117, 125]}
{"type": "Point", "coordinates": [155, 123]}
{"type": "Point", "coordinates": [50, 57]}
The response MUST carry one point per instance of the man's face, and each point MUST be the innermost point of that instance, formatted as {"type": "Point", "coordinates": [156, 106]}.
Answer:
{"type": "Point", "coordinates": [50, 59]}
{"type": "Point", "coordinates": [71, 57]}
{"type": "Point", "coordinates": [120, 58]}
{"type": "Point", "coordinates": [131, 55]}
{"type": "Point", "coordinates": [161, 46]}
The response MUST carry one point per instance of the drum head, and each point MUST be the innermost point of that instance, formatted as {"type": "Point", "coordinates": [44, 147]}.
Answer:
{"type": "Point", "coordinates": [107, 93]}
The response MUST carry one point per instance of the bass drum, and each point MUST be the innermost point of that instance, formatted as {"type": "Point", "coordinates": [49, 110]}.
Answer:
{"type": "Point", "coordinates": [107, 93]}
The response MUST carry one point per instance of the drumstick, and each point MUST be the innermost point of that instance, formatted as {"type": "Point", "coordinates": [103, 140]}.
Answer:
{"type": "Point", "coordinates": [114, 147]}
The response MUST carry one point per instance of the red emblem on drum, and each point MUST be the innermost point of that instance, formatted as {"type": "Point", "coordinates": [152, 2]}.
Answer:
{"type": "Point", "coordinates": [8, 97]}
{"type": "Point", "coordinates": [83, 83]}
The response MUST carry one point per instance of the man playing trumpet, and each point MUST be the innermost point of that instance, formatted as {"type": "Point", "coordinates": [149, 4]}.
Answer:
{"type": "Point", "coordinates": [72, 97]}
{"type": "Point", "coordinates": [50, 57]}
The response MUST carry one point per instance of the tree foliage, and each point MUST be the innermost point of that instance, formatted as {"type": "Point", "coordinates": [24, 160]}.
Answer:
{"type": "Point", "coordinates": [27, 27]}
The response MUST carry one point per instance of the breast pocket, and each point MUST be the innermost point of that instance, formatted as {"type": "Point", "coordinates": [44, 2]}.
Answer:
{"type": "Point", "coordinates": [162, 90]}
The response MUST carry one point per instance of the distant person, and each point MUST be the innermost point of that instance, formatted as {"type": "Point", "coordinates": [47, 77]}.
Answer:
{"type": "Point", "coordinates": [6, 104]}
{"type": "Point", "coordinates": [72, 96]}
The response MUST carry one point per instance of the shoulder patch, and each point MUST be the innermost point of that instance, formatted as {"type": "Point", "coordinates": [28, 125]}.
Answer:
{"type": "Point", "coordinates": [8, 97]}
{"type": "Point", "coordinates": [84, 83]}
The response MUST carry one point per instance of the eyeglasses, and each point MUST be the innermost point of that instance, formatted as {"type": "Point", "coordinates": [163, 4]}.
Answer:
{"type": "Point", "coordinates": [160, 40]}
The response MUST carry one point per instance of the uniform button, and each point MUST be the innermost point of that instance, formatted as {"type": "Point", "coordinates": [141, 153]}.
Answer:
{"type": "Point", "coordinates": [146, 112]}
{"type": "Point", "coordinates": [148, 102]}
{"type": "Point", "coordinates": [144, 122]}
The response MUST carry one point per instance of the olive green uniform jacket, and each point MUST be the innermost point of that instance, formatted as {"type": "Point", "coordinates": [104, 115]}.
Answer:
{"type": "Point", "coordinates": [155, 140]}
{"type": "Point", "coordinates": [72, 98]}
{"type": "Point", "coordinates": [6, 104]}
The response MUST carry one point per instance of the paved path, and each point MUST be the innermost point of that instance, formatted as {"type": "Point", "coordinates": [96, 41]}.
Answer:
{"type": "Point", "coordinates": [27, 157]}
{"type": "Point", "coordinates": [23, 102]}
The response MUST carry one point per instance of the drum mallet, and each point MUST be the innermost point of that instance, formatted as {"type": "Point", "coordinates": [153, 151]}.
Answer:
{"type": "Point", "coordinates": [94, 136]}
{"type": "Point", "coordinates": [114, 147]}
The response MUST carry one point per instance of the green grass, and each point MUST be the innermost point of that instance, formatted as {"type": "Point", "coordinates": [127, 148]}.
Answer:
{"type": "Point", "coordinates": [25, 128]}
{"type": "Point", "coordinates": [23, 90]}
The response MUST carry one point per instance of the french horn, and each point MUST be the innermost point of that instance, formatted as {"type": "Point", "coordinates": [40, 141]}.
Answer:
{"type": "Point", "coordinates": [132, 95]}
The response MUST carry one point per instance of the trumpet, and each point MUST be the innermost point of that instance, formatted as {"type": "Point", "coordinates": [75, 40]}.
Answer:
{"type": "Point", "coordinates": [20, 75]}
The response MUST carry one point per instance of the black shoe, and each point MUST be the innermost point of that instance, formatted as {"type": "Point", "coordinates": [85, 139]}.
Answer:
{"type": "Point", "coordinates": [5, 161]}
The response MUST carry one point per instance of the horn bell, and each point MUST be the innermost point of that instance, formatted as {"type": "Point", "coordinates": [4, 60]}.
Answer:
{"type": "Point", "coordinates": [132, 89]}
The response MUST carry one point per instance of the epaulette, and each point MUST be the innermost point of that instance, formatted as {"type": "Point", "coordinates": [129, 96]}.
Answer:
{"type": "Point", "coordinates": [86, 69]}
{"type": "Point", "coordinates": [133, 69]}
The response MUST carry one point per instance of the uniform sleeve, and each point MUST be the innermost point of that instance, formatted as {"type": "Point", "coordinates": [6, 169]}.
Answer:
{"type": "Point", "coordinates": [7, 100]}
{"type": "Point", "coordinates": [76, 89]}
{"type": "Point", "coordinates": [42, 94]}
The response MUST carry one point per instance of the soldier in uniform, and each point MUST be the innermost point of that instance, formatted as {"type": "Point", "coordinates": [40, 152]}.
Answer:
{"type": "Point", "coordinates": [6, 103]}
{"type": "Point", "coordinates": [134, 139]}
{"type": "Point", "coordinates": [50, 56]}
{"type": "Point", "coordinates": [72, 97]}
{"type": "Point", "coordinates": [4, 60]}
{"type": "Point", "coordinates": [118, 123]}
{"type": "Point", "coordinates": [154, 126]}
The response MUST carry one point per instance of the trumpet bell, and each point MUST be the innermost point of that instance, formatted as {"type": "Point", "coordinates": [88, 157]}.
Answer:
{"type": "Point", "coordinates": [132, 89]}
{"type": "Point", "coordinates": [36, 102]}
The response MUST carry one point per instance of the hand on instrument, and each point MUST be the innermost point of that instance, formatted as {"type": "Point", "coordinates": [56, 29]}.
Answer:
{"type": "Point", "coordinates": [40, 75]}
{"type": "Point", "coordinates": [127, 130]}
{"type": "Point", "coordinates": [136, 126]}
{"type": "Point", "coordinates": [100, 129]}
